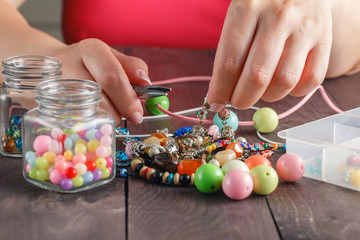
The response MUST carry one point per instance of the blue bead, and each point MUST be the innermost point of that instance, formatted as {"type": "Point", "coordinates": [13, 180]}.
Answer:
{"type": "Point", "coordinates": [123, 172]}
{"type": "Point", "coordinates": [68, 144]}
{"type": "Point", "coordinates": [256, 147]}
{"type": "Point", "coordinates": [16, 119]}
{"type": "Point", "coordinates": [88, 177]}
{"type": "Point", "coordinates": [18, 143]}
{"type": "Point", "coordinates": [90, 134]}
{"type": "Point", "coordinates": [171, 178]}
{"type": "Point", "coordinates": [232, 121]}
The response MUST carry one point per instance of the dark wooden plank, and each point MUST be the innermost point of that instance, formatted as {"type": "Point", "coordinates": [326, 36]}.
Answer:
{"type": "Point", "coordinates": [160, 211]}
{"type": "Point", "coordinates": [29, 212]}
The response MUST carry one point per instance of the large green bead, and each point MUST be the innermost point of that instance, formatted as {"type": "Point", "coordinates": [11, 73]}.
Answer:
{"type": "Point", "coordinates": [265, 179]}
{"type": "Point", "coordinates": [151, 104]}
{"type": "Point", "coordinates": [266, 120]}
{"type": "Point", "coordinates": [208, 178]}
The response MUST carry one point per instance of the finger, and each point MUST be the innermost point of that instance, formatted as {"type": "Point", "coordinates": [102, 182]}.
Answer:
{"type": "Point", "coordinates": [107, 105]}
{"type": "Point", "coordinates": [136, 69]}
{"type": "Point", "coordinates": [236, 37]}
{"type": "Point", "coordinates": [108, 72]}
{"type": "Point", "coordinates": [314, 71]}
{"type": "Point", "coordinates": [289, 69]}
{"type": "Point", "coordinates": [260, 65]}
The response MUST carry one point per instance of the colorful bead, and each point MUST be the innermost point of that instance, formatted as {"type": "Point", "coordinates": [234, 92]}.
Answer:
{"type": "Point", "coordinates": [189, 166]}
{"type": "Point", "coordinates": [256, 160]}
{"type": "Point", "coordinates": [237, 184]}
{"type": "Point", "coordinates": [266, 120]}
{"type": "Point", "coordinates": [290, 167]}
{"type": "Point", "coordinates": [151, 104]}
{"type": "Point", "coordinates": [208, 178]}
{"type": "Point", "coordinates": [123, 172]}
{"type": "Point", "coordinates": [170, 178]}
{"type": "Point", "coordinates": [232, 121]}
{"type": "Point", "coordinates": [236, 147]}
{"type": "Point", "coordinates": [265, 179]}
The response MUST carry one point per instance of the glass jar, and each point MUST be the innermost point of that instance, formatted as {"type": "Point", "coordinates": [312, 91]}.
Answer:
{"type": "Point", "coordinates": [68, 142]}
{"type": "Point", "coordinates": [17, 95]}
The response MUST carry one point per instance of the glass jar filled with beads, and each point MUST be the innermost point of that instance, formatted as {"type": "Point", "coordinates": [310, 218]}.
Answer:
{"type": "Point", "coordinates": [68, 143]}
{"type": "Point", "coordinates": [21, 73]}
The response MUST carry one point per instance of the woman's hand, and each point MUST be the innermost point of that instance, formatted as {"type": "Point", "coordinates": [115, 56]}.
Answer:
{"type": "Point", "coordinates": [115, 72]}
{"type": "Point", "coordinates": [269, 49]}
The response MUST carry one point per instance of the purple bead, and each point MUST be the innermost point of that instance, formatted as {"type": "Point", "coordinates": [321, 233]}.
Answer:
{"type": "Point", "coordinates": [98, 135]}
{"type": "Point", "coordinates": [128, 150]}
{"type": "Point", "coordinates": [353, 160]}
{"type": "Point", "coordinates": [67, 184]}
{"type": "Point", "coordinates": [97, 174]}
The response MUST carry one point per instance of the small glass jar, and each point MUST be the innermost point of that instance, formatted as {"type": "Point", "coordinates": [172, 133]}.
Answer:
{"type": "Point", "coordinates": [68, 142]}
{"type": "Point", "coordinates": [17, 95]}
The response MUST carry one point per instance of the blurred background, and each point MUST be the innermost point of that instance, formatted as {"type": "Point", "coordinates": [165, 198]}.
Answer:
{"type": "Point", "coordinates": [44, 15]}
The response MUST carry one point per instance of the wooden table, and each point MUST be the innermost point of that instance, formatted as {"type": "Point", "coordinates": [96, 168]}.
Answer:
{"type": "Point", "coordinates": [134, 208]}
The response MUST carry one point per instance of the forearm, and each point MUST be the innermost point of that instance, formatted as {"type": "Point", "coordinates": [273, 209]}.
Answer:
{"type": "Point", "coordinates": [18, 38]}
{"type": "Point", "coordinates": [345, 52]}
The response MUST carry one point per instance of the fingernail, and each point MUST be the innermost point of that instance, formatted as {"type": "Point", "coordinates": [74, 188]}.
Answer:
{"type": "Point", "coordinates": [136, 118]}
{"type": "Point", "coordinates": [216, 107]}
{"type": "Point", "coordinates": [143, 75]}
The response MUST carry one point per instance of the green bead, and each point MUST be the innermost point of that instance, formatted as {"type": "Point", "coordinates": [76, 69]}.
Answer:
{"type": "Point", "coordinates": [16, 134]}
{"type": "Point", "coordinates": [41, 163]}
{"type": "Point", "coordinates": [208, 178]}
{"type": "Point", "coordinates": [151, 104]}
{"type": "Point", "coordinates": [78, 181]}
{"type": "Point", "coordinates": [42, 174]}
{"type": "Point", "coordinates": [209, 157]}
{"type": "Point", "coordinates": [32, 173]}
{"type": "Point", "coordinates": [266, 120]}
{"type": "Point", "coordinates": [265, 179]}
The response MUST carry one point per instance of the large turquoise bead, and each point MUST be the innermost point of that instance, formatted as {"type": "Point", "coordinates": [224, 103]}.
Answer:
{"type": "Point", "coordinates": [151, 104]}
{"type": "Point", "coordinates": [232, 121]}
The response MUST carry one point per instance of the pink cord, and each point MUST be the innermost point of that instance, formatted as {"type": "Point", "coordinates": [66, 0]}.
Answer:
{"type": "Point", "coordinates": [241, 123]}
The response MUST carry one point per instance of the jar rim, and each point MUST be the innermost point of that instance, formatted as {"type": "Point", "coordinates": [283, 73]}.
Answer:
{"type": "Point", "coordinates": [17, 63]}
{"type": "Point", "coordinates": [74, 89]}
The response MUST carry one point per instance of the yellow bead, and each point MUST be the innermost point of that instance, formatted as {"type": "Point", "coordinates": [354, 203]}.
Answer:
{"type": "Point", "coordinates": [93, 145]}
{"type": "Point", "coordinates": [213, 146]}
{"type": "Point", "coordinates": [80, 148]}
{"type": "Point", "coordinates": [50, 156]}
{"type": "Point", "coordinates": [355, 178]}
{"type": "Point", "coordinates": [100, 163]}
{"type": "Point", "coordinates": [106, 172]}
{"type": "Point", "coordinates": [68, 154]}
{"type": "Point", "coordinates": [208, 148]}
{"type": "Point", "coordinates": [82, 141]}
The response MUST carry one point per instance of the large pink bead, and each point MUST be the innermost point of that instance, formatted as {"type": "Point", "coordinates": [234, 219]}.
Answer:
{"type": "Point", "coordinates": [214, 131]}
{"type": "Point", "coordinates": [41, 143]}
{"type": "Point", "coordinates": [237, 184]}
{"type": "Point", "coordinates": [290, 167]}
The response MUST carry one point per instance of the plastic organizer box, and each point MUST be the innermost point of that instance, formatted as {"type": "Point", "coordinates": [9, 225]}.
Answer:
{"type": "Point", "coordinates": [330, 148]}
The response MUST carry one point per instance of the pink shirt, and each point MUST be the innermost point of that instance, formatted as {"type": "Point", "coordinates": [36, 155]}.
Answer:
{"type": "Point", "coordinates": [164, 23]}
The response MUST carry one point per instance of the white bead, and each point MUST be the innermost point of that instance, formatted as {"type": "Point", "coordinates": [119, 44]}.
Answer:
{"type": "Point", "coordinates": [215, 162]}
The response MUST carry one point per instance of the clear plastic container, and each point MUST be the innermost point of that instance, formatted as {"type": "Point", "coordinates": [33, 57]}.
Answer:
{"type": "Point", "coordinates": [68, 142]}
{"type": "Point", "coordinates": [17, 95]}
{"type": "Point", "coordinates": [330, 148]}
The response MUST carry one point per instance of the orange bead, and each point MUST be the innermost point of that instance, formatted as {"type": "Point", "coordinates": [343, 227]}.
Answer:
{"type": "Point", "coordinates": [162, 138]}
{"type": "Point", "coordinates": [189, 166]}
{"type": "Point", "coordinates": [236, 147]}
{"type": "Point", "coordinates": [256, 160]}
{"type": "Point", "coordinates": [275, 146]}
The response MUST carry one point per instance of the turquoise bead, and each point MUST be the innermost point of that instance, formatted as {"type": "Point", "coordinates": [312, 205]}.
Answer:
{"type": "Point", "coordinates": [232, 121]}
{"type": "Point", "coordinates": [266, 120]}
{"type": "Point", "coordinates": [151, 104]}
{"type": "Point", "coordinates": [208, 178]}
{"type": "Point", "coordinates": [170, 178]}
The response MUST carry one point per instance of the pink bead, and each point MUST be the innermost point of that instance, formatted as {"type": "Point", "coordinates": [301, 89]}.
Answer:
{"type": "Point", "coordinates": [55, 146]}
{"type": "Point", "coordinates": [27, 167]}
{"type": "Point", "coordinates": [106, 129]}
{"type": "Point", "coordinates": [56, 176]}
{"type": "Point", "coordinates": [41, 143]}
{"type": "Point", "coordinates": [61, 165]}
{"type": "Point", "coordinates": [353, 160]}
{"type": "Point", "coordinates": [106, 140]}
{"type": "Point", "coordinates": [290, 167]}
{"type": "Point", "coordinates": [56, 133]}
{"type": "Point", "coordinates": [91, 156]}
{"type": "Point", "coordinates": [237, 184]}
{"type": "Point", "coordinates": [82, 133]}
{"type": "Point", "coordinates": [102, 151]}
{"type": "Point", "coordinates": [214, 131]}
{"type": "Point", "coordinates": [79, 158]}
{"type": "Point", "coordinates": [59, 158]}
{"type": "Point", "coordinates": [109, 161]}
{"type": "Point", "coordinates": [128, 150]}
